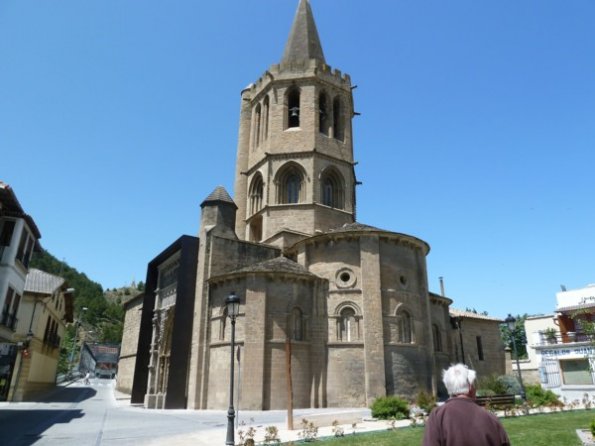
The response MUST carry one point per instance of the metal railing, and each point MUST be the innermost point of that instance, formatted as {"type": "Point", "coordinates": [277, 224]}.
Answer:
{"type": "Point", "coordinates": [569, 337]}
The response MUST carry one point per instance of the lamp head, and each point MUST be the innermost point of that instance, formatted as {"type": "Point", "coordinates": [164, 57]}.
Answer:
{"type": "Point", "coordinates": [510, 321]}
{"type": "Point", "coordinates": [233, 305]}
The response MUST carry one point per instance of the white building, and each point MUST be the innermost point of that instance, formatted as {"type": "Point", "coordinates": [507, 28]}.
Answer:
{"type": "Point", "coordinates": [560, 349]}
{"type": "Point", "coordinates": [18, 238]}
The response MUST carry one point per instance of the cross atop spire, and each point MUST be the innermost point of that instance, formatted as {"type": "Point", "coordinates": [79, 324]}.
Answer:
{"type": "Point", "coordinates": [303, 43]}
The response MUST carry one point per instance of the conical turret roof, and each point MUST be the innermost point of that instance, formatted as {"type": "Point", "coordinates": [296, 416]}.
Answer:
{"type": "Point", "coordinates": [219, 195]}
{"type": "Point", "coordinates": [303, 43]}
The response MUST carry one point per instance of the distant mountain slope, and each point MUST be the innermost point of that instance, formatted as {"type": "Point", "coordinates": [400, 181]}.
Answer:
{"type": "Point", "coordinates": [85, 287]}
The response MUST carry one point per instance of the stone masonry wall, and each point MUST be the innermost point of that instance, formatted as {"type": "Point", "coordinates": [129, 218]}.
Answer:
{"type": "Point", "coordinates": [130, 335]}
{"type": "Point", "coordinates": [493, 349]}
{"type": "Point", "coordinates": [346, 375]}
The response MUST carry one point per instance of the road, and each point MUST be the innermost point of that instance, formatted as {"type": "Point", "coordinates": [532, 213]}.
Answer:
{"type": "Point", "coordinates": [90, 415]}
{"type": "Point", "coordinates": [95, 415]}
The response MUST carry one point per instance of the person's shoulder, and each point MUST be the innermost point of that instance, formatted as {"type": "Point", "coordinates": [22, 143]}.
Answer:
{"type": "Point", "coordinates": [460, 400]}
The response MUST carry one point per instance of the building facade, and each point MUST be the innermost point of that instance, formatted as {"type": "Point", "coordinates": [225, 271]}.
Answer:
{"type": "Point", "coordinates": [46, 308]}
{"type": "Point", "coordinates": [348, 300]}
{"type": "Point", "coordinates": [19, 236]}
{"type": "Point", "coordinates": [560, 345]}
{"type": "Point", "coordinates": [161, 360]}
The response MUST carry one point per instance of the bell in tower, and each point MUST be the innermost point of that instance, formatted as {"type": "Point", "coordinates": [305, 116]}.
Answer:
{"type": "Point", "coordinates": [294, 170]}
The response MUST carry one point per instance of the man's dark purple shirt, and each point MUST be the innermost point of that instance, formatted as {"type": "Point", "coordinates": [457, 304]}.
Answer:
{"type": "Point", "coordinates": [461, 422]}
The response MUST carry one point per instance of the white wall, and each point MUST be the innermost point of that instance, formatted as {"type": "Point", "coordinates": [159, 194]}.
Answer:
{"type": "Point", "coordinates": [576, 297]}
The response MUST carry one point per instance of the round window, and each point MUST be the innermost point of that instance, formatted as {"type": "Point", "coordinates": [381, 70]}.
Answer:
{"type": "Point", "coordinates": [345, 278]}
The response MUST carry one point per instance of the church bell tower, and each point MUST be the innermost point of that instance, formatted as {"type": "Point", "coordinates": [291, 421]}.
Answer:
{"type": "Point", "coordinates": [294, 169]}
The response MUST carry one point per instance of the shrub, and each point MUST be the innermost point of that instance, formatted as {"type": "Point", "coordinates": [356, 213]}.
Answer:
{"type": "Point", "coordinates": [309, 432]}
{"type": "Point", "coordinates": [338, 430]}
{"type": "Point", "coordinates": [511, 384]}
{"type": "Point", "coordinates": [271, 435]}
{"type": "Point", "coordinates": [426, 401]}
{"type": "Point", "coordinates": [498, 385]}
{"type": "Point", "coordinates": [388, 407]}
{"type": "Point", "coordinates": [592, 427]}
{"type": "Point", "coordinates": [490, 385]}
{"type": "Point", "coordinates": [538, 396]}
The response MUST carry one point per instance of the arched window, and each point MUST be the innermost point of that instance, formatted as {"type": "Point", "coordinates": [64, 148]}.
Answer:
{"type": "Point", "coordinates": [265, 118]}
{"type": "Point", "coordinates": [296, 325]}
{"type": "Point", "coordinates": [293, 107]}
{"type": "Point", "coordinates": [256, 193]}
{"type": "Point", "coordinates": [338, 120]}
{"type": "Point", "coordinates": [331, 188]}
{"type": "Point", "coordinates": [437, 338]}
{"type": "Point", "coordinates": [348, 326]}
{"type": "Point", "coordinates": [293, 185]}
{"type": "Point", "coordinates": [257, 126]}
{"type": "Point", "coordinates": [289, 183]}
{"type": "Point", "coordinates": [405, 328]}
{"type": "Point", "coordinates": [323, 114]}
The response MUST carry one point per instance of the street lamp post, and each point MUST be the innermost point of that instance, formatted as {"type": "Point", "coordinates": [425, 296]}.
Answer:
{"type": "Point", "coordinates": [233, 308]}
{"type": "Point", "coordinates": [511, 323]}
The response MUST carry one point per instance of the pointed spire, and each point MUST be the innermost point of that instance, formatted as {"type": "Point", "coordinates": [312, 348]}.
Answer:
{"type": "Point", "coordinates": [303, 42]}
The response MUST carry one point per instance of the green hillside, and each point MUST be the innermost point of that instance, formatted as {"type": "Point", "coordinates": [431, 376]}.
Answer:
{"type": "Point", "coordinates": [103, 317]}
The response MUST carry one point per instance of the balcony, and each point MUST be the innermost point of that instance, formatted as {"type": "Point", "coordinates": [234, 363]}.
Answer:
{"type": "Point", "coordinates": [552, 337]}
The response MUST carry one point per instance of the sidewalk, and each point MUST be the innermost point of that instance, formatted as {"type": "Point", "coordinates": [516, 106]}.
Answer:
{"type": "Point", "coordinates": [351, 420]}
{"type": "Point", "coordinates": [218, 436]}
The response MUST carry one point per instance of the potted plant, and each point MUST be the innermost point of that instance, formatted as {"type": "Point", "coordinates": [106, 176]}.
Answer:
{"type": "Point", "coordinates": [550, 335]}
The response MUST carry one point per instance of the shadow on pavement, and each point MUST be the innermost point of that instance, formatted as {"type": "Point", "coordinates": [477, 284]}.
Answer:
{"type": "Point", "coordinates": [68, 395]}
{"type": "Point", "coordinates": [60, 394]}
{"type": "Point", "coordinates": [25, 427]}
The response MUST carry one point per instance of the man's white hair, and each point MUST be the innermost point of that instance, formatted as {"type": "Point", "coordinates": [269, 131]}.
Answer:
{"type": "Point", "coordinates": [458, 379]}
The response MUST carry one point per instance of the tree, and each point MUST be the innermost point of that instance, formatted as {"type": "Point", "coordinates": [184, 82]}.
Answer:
{"type": "Point", "coordinates": [519, 335]}
{"type": "Point", "coordinates": [105, 318]}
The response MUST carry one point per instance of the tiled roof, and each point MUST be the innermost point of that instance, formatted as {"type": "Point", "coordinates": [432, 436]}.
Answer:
{"type": "Point", "coordinates": [41, 282]}
{"type": "Point", "coordinates": [219, 194]}
{"type": "Point", "coordinates": [471, 315]}
{"type": "Point", "coordinates": [350, 227]}
{"type": "Point", "coordinates": [279, 265]}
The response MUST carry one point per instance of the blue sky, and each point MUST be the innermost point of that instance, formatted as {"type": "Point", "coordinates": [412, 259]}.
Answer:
{"type": "Point", "coordinates": [476, 134]}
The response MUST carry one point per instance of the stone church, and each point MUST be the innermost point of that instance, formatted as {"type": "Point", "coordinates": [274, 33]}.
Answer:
{"type": "Point", "coordinates": [351, 300]}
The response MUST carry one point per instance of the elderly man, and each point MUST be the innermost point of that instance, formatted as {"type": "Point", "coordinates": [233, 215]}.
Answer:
{"type": "Point", "coordinates": [460, 421]}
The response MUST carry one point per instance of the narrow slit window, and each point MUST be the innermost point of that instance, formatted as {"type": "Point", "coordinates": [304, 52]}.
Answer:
{"type": "Point", "coordinates": [338, 120]}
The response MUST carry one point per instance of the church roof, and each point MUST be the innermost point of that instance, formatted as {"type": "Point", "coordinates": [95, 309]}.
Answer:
{"type": "Point", "coordinates": [218, 195]}
{"type": "Point", "coordinates": [359, 228]}
{"type": "Point", "coordinates": [350, 227]}
{"type": "Point", "coordinates": [303, 42]}
{"type": "Point", "coordinates": [276, 265]}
